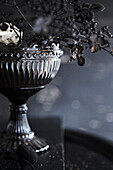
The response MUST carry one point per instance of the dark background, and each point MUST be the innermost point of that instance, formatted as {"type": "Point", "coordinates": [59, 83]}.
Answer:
{"type": "Point", "coordinates": [81, 96]}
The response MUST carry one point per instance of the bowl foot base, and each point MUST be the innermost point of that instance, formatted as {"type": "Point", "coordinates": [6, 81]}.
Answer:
{"type": "Point", "coordinates": [38, 144]}
{"type": "Point", "coordinates": [18, 131]}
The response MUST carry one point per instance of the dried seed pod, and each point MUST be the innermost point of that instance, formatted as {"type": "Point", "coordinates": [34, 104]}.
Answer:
{"type": "Point", "coordinates": [80, 49]}
{"type": "Point", "coordinates": [73, 57]}
{"type": "Point", "coordinates": [105, 28]}
{"type": "Point", "coordinates": [81, 61]}
{"type": "Point", "coordinates": [95, 48]}
{"type": "Point", "coordinates": [101, 41]}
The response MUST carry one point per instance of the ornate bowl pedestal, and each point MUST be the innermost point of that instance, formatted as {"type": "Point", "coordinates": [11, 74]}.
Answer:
{"type": "Point", "coordinates": [18, 130]}
{"type": "Point", "coordinates": [19, 80]}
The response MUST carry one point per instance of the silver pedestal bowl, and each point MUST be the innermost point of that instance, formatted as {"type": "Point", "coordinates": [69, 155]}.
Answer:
{"type": "Point", "coordinates": [20, 78]}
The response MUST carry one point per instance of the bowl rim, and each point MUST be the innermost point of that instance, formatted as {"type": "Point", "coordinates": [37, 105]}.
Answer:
{"type": "Point", "coordinates": [30, 54]}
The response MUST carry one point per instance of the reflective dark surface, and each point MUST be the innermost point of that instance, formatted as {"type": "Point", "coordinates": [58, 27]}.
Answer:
{"type": "Point", "coordinates": [87, 152]}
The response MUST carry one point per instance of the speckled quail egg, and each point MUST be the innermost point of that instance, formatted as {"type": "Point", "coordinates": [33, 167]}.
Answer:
{"type": "Point", "coordinates": [10, 34]}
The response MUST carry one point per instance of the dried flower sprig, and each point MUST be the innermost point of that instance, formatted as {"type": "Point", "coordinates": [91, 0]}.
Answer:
{"type": "Point", "coordinates": [69, 23]}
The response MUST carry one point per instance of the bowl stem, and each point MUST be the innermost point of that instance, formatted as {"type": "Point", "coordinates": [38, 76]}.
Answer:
{"type": "Point", "coordinates": [18, 130]}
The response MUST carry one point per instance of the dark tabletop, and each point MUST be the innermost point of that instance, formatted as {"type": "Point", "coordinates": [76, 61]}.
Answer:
{"type": "Point", "coordinates": [86, 152]}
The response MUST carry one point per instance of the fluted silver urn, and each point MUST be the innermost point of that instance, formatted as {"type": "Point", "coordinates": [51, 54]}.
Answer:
{"type": "Point", "coordinates": [22, 74]}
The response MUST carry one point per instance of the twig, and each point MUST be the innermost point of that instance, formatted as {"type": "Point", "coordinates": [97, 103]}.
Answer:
{"type": "Point", "coordinates": [15, 4]}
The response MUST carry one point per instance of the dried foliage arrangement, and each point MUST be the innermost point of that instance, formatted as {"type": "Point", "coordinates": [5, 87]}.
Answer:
{"type": "Point", "coordinates": [49, 24]}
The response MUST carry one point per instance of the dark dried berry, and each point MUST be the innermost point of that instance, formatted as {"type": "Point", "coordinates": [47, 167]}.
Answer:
{"type": "Point", "coordinates": [81, 61]}
{"type": "Point", "coordinates": [80, 49]}
{"type": "Point", "coordinates": [101, 41]}
{"type": "Point", "coordinates": [105, 28]}
{"type": "Point", "coordinates": [96, 7]}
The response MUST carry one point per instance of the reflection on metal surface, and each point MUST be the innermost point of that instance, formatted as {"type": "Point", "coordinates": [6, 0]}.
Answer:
{"type": "Point", "coordinates": [31, 73]}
